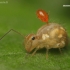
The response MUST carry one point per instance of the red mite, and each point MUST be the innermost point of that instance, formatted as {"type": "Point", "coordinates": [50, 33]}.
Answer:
{"type": "Point", "coordinates": [42, 15]}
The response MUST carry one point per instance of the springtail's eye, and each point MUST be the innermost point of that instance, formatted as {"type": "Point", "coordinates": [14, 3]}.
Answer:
{"type": "Point", "coordinates": [33, 38]}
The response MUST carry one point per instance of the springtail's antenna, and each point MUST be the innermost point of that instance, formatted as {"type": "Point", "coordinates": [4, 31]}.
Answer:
{"type": "Point", "coordinates": [10, 31]}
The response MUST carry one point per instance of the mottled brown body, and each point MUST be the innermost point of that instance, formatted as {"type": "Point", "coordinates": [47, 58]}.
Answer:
{"type": "Point", "coordinates": [48, 36]}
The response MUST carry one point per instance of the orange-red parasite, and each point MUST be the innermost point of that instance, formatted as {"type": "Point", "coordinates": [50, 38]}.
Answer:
{"type": "Point", "coordinates": [42, 15]}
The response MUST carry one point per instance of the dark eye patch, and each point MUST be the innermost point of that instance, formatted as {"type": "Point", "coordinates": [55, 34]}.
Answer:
{"type": "Point", "coordinates": [33, 38]}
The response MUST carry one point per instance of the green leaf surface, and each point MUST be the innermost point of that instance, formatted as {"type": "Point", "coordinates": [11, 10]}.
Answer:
{"type": "Point", "coordinates": [21, 16]}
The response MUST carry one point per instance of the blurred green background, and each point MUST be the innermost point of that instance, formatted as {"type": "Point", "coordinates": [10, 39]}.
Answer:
{"type": "Point", "coordinates": [21, 16]}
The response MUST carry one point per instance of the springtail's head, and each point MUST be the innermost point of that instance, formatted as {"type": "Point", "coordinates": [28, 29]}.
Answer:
{"type": "Point", "coordinates": [31, 41]}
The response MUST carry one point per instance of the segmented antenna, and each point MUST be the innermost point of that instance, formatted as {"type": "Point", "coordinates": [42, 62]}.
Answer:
{"type": "Point", "coordinates": [10, 31]}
